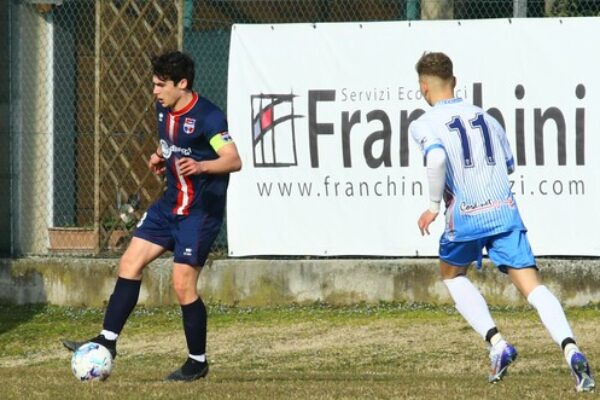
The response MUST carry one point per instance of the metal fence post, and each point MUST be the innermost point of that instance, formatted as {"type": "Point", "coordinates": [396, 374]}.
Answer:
{"type": "Point", "coordinates": [5, 142]}
{"type": "Point", "coordinates": [520, 8]}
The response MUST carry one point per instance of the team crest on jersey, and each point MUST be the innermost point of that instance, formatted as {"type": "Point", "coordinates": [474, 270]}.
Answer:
{"type": "Point", "coordinates": [188, 125]}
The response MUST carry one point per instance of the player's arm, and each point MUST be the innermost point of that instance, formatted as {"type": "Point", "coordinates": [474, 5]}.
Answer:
{"type": "Point", "coordinates": [435, 157]}
{"type": "Point", "coordinates": [436, 179]}
{"type": "Point", "coordinates": [156, 163]}
{"type": "Point", "coordinates": [228, 160]}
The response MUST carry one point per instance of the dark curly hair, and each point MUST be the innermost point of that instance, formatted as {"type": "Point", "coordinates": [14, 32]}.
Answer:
{"type": "Point", "coordinates": [174, 66]}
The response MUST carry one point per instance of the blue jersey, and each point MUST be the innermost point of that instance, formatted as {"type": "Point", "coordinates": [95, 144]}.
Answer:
{"type": "Point", "coordinates": [187, 133]}
{"type": "Point", "coordinates": [479, 201]}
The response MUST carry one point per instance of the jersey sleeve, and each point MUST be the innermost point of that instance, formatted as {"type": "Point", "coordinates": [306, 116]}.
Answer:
{"type": "Point", "coordinates": [424, 136]}
{"type": "Point", "coordinates": [500, 133]}
{"type": "Point", "coordinates": [436, 177]}
{"type": "Point", "coordinates": [216, 130]}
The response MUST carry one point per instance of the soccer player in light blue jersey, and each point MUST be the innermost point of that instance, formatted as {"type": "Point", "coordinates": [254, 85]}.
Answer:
{"type": "Point", "coordinates": [468, 160]}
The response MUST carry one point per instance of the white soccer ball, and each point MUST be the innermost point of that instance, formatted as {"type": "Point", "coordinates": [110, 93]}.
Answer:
{"type": "Point", "coordinates": [91, 362]}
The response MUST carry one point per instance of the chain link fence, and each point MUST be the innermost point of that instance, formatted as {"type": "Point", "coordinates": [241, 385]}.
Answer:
{"type": "Point", "coordinates": [81, 106]}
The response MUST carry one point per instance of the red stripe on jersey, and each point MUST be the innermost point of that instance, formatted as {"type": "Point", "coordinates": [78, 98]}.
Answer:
{"type": "Point", "coordinates": [171, 127]}
{"type": "Point", "coordinates": [185, 190]}
{"type": "Point", "coordinates": [190, 195]}
{"type": "Point", "coordinates": [185, 195]}
{"type": "Point", "coordinates": [179, 191]}
{"type": "Point", "coordinates": [175, 129]}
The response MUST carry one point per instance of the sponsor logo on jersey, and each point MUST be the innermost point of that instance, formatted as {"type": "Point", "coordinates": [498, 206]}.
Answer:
{"type": "Point", "coordinates": [188, 125]}
{"type": "Point", "coordinates": [167, 149]}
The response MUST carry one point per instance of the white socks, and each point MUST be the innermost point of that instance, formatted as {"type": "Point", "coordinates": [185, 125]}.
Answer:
{"type": "Point", "coordinates": [109, 335]}
{"type": "Point", "coordinates": [200, 358]}
{"type": "Point", "coordinates": [470, 304]}
{"type": "Point", "coordinates": [569, 350]}
{"type": "Point", "coordinates": [496, 339]}
{"type": "Point", "coordinates": [551, 313]}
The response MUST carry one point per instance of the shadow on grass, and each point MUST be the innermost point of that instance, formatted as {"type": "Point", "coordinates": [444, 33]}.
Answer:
{"type": "Point", "coordinates": [11, 315]}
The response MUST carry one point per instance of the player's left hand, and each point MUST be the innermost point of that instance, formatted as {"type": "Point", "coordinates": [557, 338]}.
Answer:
{"type": "Point", "coordinates": [425, 220]}
{"type": "Point", "coordinates": [189, 166]}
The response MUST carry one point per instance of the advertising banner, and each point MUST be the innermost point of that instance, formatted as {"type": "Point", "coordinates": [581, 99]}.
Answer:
{"type": "Point", "coordinates": [320, 114]}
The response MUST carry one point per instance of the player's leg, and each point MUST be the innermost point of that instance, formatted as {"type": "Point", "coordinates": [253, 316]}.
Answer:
{"type": "Point", "coordinates": [194, 240]}
{"type": "Point", "coordinates": [512, 253]}
{"type": "Point", "coordinates": [125, 294]}
{"type": "Point", "coordinates": [455, 258]}
{"type": "Point", "coordinates": [121, 303]}
{"type": "Point", "coordinates": [454, 261]}
{"type": "Point", "coordinates": [194, 316]}
{"type": "Point", "coordinates": [151, 238]}
{"type": "Point", "coordinates": [467, 299]}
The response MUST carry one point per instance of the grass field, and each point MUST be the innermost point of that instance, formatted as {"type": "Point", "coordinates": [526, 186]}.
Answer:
{"type": "Point", "coordinates": [389, 351]}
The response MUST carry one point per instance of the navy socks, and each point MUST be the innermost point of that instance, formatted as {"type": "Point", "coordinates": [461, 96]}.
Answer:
{"type": "Point", "coordinates": [121, 303]}
{"type": "Point", "coordinates": [194, 326]}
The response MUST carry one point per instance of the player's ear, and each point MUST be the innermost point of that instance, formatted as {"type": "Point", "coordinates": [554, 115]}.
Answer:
{"type": "Point", "coordinates": [423, 86]}
{"type": "Point", "coordinates": [183, 84]}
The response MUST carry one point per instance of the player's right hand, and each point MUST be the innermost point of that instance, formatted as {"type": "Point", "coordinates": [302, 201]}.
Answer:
{"type": "Point", "coordinates": [425, 220]}
{"type": "Point", "coordinates": [156, 164]}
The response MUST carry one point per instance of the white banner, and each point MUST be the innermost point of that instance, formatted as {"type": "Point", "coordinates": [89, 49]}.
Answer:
{"type": "Point", "coordinates": [320, 114]}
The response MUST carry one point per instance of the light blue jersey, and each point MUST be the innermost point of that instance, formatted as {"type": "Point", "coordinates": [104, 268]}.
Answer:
{"type": "Point", "coordinates": [478, 198]}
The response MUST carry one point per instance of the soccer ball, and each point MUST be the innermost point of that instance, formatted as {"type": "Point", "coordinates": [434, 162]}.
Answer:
{"type": "Point", "coordinates": [91, 362]}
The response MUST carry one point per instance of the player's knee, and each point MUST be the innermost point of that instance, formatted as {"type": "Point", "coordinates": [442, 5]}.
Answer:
{"type": "Point", "coordinates": [450, 272]}
{"type": "Point", "coordinates": [452, 275]}
{"type": "Point", "coordinates": [129, 267]}
{"type": "Point", "coordinates": [184, 291]}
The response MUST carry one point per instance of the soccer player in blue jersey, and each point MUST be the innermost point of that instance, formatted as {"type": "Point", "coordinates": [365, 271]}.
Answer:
{"type": "Point", "coordinates": [197, 154]}
{"type": "Point", "coordinates": [468, 160]}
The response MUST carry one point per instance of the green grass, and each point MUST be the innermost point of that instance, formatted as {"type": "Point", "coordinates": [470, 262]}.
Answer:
{"type": "Point", "coordinates": [387, 351]}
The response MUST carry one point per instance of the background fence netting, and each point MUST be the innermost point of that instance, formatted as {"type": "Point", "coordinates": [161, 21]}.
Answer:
{"type": "Point", "coordinates": [81, 107]}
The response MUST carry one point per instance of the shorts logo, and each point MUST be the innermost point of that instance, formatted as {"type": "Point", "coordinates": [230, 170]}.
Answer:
{"type": "Point", "coordinates": [188, 125]}
{"type": "Point", "coordinates": [187, 252]}
{"type": "Point", "coordinates": [273, 130]}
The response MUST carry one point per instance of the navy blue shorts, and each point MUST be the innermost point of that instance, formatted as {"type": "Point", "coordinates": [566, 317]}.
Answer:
{"type": "Point", "coordinates": [189, 237]}
{"type": "Point", "coordinates": [506, 250]}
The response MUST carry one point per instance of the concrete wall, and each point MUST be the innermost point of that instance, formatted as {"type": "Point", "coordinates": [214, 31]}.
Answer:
{"type": "Point", "coordinates": [89, 282]}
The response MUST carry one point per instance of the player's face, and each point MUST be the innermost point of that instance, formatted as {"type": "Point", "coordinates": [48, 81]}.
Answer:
{"type": "Point", "coordinates": [167, 93]}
